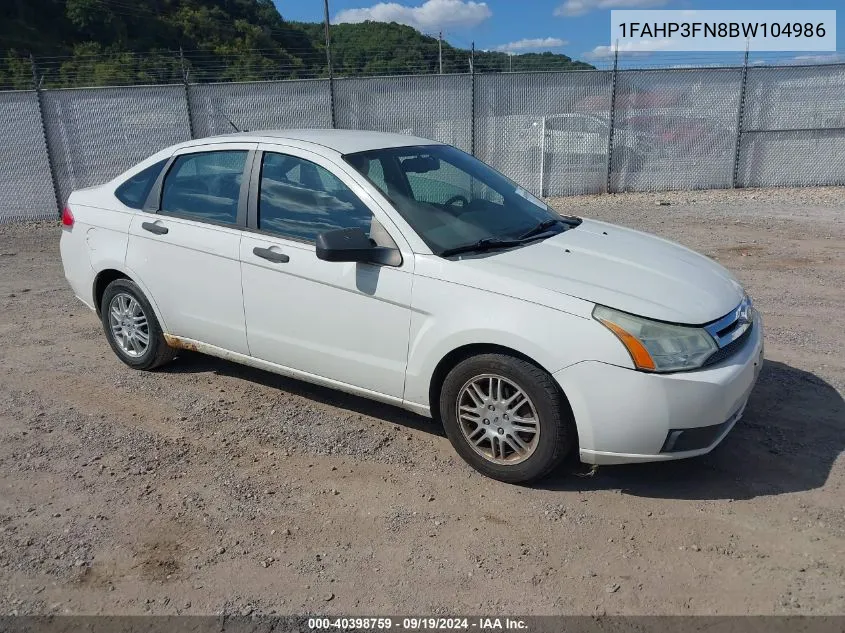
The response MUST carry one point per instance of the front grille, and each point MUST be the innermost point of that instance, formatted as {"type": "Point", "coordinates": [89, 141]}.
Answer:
{"type": "Point", "coordinates": [730, 349]}
{"type": "Point", "coordinates": [727, 330]}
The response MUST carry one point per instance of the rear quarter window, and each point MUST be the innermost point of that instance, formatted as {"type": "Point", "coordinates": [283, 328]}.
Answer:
{"type": "Point", "coordinates": [133, 193]}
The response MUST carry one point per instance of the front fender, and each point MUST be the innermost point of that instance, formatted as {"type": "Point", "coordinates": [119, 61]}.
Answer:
{"type": "Point", "coordinates": [447, 316]}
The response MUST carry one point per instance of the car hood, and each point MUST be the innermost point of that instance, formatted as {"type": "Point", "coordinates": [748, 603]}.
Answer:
{"type": "Point", "coordinates": [617, 267]}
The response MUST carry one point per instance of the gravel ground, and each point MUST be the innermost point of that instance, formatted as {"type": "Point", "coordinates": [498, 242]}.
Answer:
{"type": "Point", "coordinates": [207, 487]}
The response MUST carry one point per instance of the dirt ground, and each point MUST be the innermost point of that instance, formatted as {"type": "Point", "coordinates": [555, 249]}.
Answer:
{"type": "Point", "coordinates": [208, 487]}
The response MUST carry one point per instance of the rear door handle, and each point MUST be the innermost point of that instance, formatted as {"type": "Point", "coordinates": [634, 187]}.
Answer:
{"type": "Point", "coordinates": [152, 227]}
{"type": "Point", "coordinates": [270, 255]}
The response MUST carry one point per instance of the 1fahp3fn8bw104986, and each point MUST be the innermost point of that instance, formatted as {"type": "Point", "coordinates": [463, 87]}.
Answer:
{"type": "Point", "coordinates": [407, 271]}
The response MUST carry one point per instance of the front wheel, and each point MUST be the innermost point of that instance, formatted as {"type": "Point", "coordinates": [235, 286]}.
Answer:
{"type": "Point", "coordinates": [506, 417]}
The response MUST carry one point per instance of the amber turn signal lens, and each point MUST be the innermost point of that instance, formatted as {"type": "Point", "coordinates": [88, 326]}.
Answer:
{"type": "Point", "coordinates": [639, 354]}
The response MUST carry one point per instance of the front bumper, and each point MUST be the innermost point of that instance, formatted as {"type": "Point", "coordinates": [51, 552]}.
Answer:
{"type": "Point", "coordinates": [626, 416]}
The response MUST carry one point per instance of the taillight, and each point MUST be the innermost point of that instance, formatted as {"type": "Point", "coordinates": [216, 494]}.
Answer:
{"type": "Point", "coordinates": [67, 217]}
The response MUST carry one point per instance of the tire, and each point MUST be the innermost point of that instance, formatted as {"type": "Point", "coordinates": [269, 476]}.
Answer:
{"type": "Point", "coordinates": [123, 300]}
{"type": "Point", "coordinates": [486, 438]}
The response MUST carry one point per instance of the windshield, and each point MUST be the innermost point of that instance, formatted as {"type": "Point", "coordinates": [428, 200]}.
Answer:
{"type": "Point", "coordinates": [452, 199]}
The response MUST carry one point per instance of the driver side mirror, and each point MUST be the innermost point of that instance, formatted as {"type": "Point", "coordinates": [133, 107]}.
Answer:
{"type": "Point", "coordinates": [353, 245]}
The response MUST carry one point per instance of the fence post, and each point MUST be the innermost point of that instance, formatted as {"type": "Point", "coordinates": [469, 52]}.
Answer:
{"type": "Point", "coordinates": [187, 94]}
{"type": "Point", "coordinates": [329, 63]}
{"type": "Point", "coordinates": [739, 121]}
{"type": "Point", "coordinates": [612, 118]}
{"type": "Point", "coordinates": [51, 163]}
{"type": "Point", "coordinates": [472, 99]}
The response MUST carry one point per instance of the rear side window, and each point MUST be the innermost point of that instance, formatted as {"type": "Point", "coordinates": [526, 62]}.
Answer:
{"type": "Point", "coordinates": [133, 193]}
{"type": "Point", "coordinates": [205, 186]}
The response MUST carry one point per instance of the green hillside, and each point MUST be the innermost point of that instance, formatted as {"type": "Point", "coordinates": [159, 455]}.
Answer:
{"type": "Point", "coordinates": [115, 42]}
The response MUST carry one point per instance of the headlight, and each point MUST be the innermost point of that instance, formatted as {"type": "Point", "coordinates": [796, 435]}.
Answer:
{"type": "Point", "coordinates": [656, 346]}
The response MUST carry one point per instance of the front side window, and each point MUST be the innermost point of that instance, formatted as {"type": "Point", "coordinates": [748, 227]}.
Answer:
{"type": "Point", "coordinates": [205, 186]}
{"type": "Point", "coordinates": [299, 199]}
{"type": "Point", "coordinates": [133, 193]}
{"type": "Point", "coordinates": [450, 198]}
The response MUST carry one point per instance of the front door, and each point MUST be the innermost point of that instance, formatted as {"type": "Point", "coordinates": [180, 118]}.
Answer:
{"type": "Point", "coordinates": [342, 321]}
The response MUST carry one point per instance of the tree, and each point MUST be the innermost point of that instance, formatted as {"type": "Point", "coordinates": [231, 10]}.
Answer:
{"type": "Point", "coordinates": [109, 42]}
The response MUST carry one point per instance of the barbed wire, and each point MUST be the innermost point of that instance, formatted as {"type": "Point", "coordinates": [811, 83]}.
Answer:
{"type": "Point", "coordinates": [162, 66]}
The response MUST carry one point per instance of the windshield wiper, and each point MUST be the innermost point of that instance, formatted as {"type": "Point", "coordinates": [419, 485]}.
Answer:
{"type": "Point", "coordinates": [486, 244]}
{"type": "Point", "coordinates": [544, 226]}
{"type": "Point", "coordinates": [490, 243]}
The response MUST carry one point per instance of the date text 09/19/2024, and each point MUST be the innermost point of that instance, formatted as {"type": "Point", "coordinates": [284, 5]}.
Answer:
{"type": "Point", "coordinates": [417, 623]}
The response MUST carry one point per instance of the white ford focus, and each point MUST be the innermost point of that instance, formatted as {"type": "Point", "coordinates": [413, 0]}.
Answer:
{"type": "Point", "coordinates": [407, 271]}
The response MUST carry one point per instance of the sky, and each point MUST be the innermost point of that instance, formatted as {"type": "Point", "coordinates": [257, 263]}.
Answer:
{"type": "Point", "coordinates": [578, 28]}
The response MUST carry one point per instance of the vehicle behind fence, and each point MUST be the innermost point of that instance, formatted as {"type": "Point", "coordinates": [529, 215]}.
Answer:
{"type": "Point", "coordinates": [555, 133]}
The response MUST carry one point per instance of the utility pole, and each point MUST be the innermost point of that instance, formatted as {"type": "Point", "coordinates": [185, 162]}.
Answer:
{"type": "Point", "coordinates": [472, 59]}
{"type": "Point", "coordinates": [440, 50]}
{"type": "Point", "coordinates": [510, 59]}
{"type": "Point", "coordinates": [329, 60]}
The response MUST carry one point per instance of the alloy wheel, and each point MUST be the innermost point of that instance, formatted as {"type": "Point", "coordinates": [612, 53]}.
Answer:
{"type": "Point", "coordinates": [129, 325]}
{"type": "Point", "coordinates": [498, 419]}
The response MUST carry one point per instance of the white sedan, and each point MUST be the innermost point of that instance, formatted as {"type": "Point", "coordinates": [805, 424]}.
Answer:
{"type": "Point", "coordinates": [407, 271]}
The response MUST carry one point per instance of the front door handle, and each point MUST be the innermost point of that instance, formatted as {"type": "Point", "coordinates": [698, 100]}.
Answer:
{"type": "Point", "coordinates": [152, 227]}
{"type": "Point", "coordinates": [270, 255]}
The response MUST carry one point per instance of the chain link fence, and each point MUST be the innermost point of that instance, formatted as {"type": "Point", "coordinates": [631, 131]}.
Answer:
{"type": "Point", "coordinates": [26, 187]}
{"type": "Point", "coordinates": [675, 129]}
{"type": "Point", "coordinates": [438, 107]}
{"type": "Point", "coordinates": [259, 106]}
{"type": "Point", "coordinates": [555, 133]}
{"type": "Point", "coordinates": [546, 131]}
{"type": "Point", "coordinates": [793, 127]}
{"type": "Point", "coordinates": [94, 134]}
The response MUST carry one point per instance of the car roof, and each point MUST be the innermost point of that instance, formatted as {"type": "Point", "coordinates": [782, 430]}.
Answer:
{"type": "Point", "coordinates": [341, 141]}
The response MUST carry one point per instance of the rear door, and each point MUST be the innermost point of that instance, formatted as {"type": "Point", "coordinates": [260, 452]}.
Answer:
{"type": "Point", "coordinates": [343, 321]}
{"type": "Point", "coordinates": [184, 245]}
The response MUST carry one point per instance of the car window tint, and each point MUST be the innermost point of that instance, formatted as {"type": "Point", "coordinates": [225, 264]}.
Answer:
{"type": "Point", "coordinates": [300, 199]}
{"type": "Point", "coordinates": [445, 183]}
{"type": "Point", "coordinates": [449, 197]}
{"type": "Point", "coordinates": [205, 186]}
{"type": "Point", "coordinates": [133, 193]}
{"type": "Point", "coordinates": [375, 172]}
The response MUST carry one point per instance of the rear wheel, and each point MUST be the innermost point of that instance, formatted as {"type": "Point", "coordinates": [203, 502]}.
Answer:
{"type": "Point", "coordinates": [506, 417]}
{"type": "Point", "coordinates": [131, 326]}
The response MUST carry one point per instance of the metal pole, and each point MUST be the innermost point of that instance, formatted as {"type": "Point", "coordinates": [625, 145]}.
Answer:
{"type": "Point", "coordinates": [440, 50]}
{"type": "Point", "coordinates": [739, 120]}
{"type": "Point", "coordinates": [612, 117]}
{"type": "Point", "coordinates": [329, 61]}
{"type": "Point", "coordinates": [472, 98]}
{"type": "Point", "coordinates": [187, 94]}
{"type": "Point", "coordinates": [543, 159]}
{"type": "Point", "coordinates": [51, 163]}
